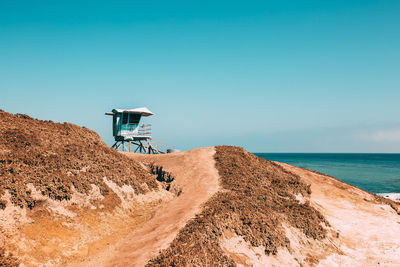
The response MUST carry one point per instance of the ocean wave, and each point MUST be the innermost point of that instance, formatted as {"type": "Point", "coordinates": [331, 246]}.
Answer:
{"type": "Point", "coordinates": [392, 196]}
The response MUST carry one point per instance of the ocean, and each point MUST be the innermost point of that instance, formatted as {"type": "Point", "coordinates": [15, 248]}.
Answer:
{"type": "Point", "coordinates": [375, 173]}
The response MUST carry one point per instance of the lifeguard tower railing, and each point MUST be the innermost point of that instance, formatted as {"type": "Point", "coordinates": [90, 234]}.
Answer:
{"type": "Point", "coordinates": [136, 131]}
{"type": "Point", "coordinates": [143, 130]}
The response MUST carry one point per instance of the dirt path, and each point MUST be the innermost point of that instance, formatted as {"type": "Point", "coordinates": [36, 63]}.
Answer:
{"type": "Point", "coordinates": [369, 231]}
{"type": "Point", "coordinates": [195, 173]}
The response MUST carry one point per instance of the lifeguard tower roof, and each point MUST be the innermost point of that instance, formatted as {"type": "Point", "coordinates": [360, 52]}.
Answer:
{"type": "Point", "coordinates": [144, 111]}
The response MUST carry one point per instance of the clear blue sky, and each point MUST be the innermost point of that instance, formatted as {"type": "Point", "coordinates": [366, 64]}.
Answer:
{"type": "Point", "coordinates": [271, 76]}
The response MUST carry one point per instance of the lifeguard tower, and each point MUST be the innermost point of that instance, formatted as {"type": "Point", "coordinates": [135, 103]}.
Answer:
{"type": "Point", "coordinates": [126, 129]}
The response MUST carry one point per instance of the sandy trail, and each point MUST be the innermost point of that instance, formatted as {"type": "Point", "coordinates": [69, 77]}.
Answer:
{"type": "Point", "coordinates": [196, 174]}
{"type": "Point", "coordinates": [369, 231]}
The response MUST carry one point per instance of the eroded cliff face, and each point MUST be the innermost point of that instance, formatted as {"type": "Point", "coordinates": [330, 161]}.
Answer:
{"type": "Point", "coordinates": [272, 214]}
{"type": "Point", "coordinates": [368, 226]}
{"type": "Point", "coordinates": [64, 194]}
{"type": "Point", "coordinates": [260, 205]}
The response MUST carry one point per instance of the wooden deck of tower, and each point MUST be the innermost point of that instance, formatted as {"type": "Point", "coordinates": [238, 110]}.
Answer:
{"type": "Point", "coordinates": [127, 130]}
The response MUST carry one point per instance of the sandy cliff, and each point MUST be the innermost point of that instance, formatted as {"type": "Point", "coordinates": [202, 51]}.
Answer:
{"type": "Point", "coordinates": [67, 199]}
{"type": "Point", "coordinates": [65, 195]}
{"type": "Point", "coordinates": [272, 214]}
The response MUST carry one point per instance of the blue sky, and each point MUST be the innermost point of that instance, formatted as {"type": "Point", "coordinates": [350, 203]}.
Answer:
{"type": "Point", "coordinates": [271, 76]}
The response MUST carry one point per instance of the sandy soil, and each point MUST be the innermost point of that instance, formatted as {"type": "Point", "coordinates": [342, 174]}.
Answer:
{"type": "Point", "coordinates": [369, 231]}
{"type": "Point", "coordinates": [67, 197]}
{"type": "Point", "coordinates": [195, 174]}
{"type": "Point", "coordinates": [247, 221]}
{"type": "Point", "coordinates": [58, 233]}
{"type": "Point", "coordinates": [86, 227]}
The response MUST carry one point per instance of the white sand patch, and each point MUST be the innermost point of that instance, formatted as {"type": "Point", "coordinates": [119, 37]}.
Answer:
{"type": "Point", "coordinates": [59, 207]}
{"type": "Point", "coordinates": [56, 207]}
{"type": "Point", "coordinates": [246, 255]}
{"type": "Point", "coordinates": [12, 216]}
{"type": "Point", "coordinates": [128, 197]}
{"type": "Point", "coordinates": [306, 250]}
{"type": "Point", "coordinates": [152, 196]}
{"type": "Point", "coordinates": [85, 200]}
{"type": "Point", "coordinates": [369, 231]}
{"type": "Point", "coordinates": [368, 238]}
{"type": "Point", "coordinates": [126, 193]}
{"type": "Point", "coordinates": [301, 199]}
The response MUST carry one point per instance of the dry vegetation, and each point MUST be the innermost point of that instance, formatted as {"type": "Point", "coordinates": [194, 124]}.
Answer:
{"type": "Point", "coordinates": [7, 259]}
{"type": "Point", "coordinates": [256, 199]}
{"type": "Point", "coordinates": [58, 160]}
{"type": "Point", "coordinates": [56, 156]}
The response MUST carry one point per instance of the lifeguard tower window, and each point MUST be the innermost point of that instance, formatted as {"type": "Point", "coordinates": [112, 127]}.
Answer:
{"type": "Point", "coordinates": [125, 118]}
{"type": "Point", "coordinates": [134, 118]}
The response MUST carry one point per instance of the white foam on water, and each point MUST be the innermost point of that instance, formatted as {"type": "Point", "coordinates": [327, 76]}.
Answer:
{"type": "Point", "coordinates": [392, 196]}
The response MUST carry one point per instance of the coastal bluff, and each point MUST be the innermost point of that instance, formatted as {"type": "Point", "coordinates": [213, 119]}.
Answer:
{"type": "Point", "coordinates": [67, 199]}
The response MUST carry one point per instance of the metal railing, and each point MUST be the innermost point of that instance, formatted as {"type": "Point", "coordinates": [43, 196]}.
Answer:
{"type": "Point", "coordinates": [143, 130]}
